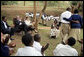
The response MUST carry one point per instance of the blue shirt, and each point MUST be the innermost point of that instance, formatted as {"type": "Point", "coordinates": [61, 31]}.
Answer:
{"type": "Point", "coordinates": [76, 17]}
{"type": "Point", "coordinates": [4, 50]}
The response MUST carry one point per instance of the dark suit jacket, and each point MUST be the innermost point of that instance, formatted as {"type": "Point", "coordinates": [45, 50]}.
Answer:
{"type": "Point", "coordinates": [17, 27]}
{"type": "Point", "coordinates": [3, 29]}
{"type": "Point", "coordinates": [4, 50]}
{"type": "Point", "coordinates": [16, 22]}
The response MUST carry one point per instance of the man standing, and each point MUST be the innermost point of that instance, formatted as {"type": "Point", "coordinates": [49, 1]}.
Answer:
{"type": "Point", "coordinates": [65, 25]}
{"type": "Point", "coordinates": [76, 23]}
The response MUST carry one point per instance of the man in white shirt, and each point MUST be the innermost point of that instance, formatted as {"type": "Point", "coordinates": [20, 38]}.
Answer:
{"type": "Point", "coordinates": [37, 44]}
{"type": "Point", "coordinates": [65, 25]}
{"type": "Point", "coordinates": [66, 50]}
{"type": "Point", "coordinates": [28, 50]}
{"type": "Point", "coordinates": [5, 28]}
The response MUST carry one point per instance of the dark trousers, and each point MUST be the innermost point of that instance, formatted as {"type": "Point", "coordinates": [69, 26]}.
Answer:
{"type": "Point", "coordinates": [23, 27]}
{"type": "Point", "coordinates": [9, 31]}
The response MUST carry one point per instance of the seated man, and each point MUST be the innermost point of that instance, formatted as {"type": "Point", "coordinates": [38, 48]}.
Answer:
{"type": "Point", "coordinates": [5, 28]}
{"type": "Point", "coordinates": [28, 50]}
{"type": "Point", "coordinates": [21, 25]}
{"type": "Point", "coordinates": [17, 25]}
{"type": "Point", "coordinates": [66, 50]}
{"type": "Point", "coordinates": [37, 44]}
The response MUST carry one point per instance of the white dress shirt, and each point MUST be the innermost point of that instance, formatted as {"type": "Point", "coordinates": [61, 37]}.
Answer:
{"type": "Point", "coordinates": [44, 17]}
{"type": "Point", "coordinates": [27, 14]}
{"type": "Point", "coordinates": [37, 46]}
{"type": "Point", "coordinates": [5, 24]}
{"type": "Point", "coordinates": [65, 14]}
{"type": "Point", "coordinates": [28, 22]}
{"type": "Point", "coordinates": [28, 51]}
{"type": "Point", "coordinates": [65, 50]}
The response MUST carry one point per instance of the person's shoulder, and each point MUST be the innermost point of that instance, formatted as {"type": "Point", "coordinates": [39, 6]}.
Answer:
{"type": "Point", "coordinates": [63, 12]}
{"type": "Point", "coordinates": [20, 49]}
{"type": "Point", "coordinates": [37, 43]}
{"type": "Point", "coordinates": [74, 50]}
{"type": "Point", "coordinates": [59, 45]}
{"type": "Point", "coordinates": [79, 15]}
{"type": "Point", "coordinates": [1, 21]}
{"type": "Point", "coordinates": [37, 53]}
{"type": "Point", "coordinates": [66, 12]}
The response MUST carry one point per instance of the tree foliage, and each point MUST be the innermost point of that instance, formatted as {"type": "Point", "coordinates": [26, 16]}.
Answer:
{"type": "Point", "coordinates": [8, 2]}
{"type": "Point", "coordinates": [52, 3]}
{"type": "Point", "coordinates": [76, 3]}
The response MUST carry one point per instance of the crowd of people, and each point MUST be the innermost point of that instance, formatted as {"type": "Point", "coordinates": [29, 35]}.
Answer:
{"type": "Point", "coordinates": [45, 17]}
{"type": "Point", "coordinates": [68, 28]}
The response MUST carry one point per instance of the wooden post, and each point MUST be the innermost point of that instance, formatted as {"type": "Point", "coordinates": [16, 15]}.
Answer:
{"type": "Point", "coordinates": [75, 7]}
{"type": "Point", "coordinates": [24, 3]}
{"type": "Point", "coordinates": [43, 10]}
{"type": "Point", "coordinates": [34, 18]}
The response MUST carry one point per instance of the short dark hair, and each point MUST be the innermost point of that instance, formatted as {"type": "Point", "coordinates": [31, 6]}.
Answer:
{"type": "Point", "coordinates": [27, 39]}
{"type": "Point", "coordinates": [76, 11]}
{"type": "Point", "coordinates": [68, 9]}
{"type": "Point", "coordinates": [3, 17]}
{"type": "Point", "coordinates": [71, 41]}
{"type": "Point", "coordinates": [36, 37]}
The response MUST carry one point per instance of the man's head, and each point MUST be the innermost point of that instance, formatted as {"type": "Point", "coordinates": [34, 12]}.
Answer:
{"type": "Point", "coordinates": [68, 9]}
{"type": "Point", "coordinates": [76, 11]}
{"type": "Point", "coordinates": [37, 38]}
{"type": "Point", "coordinates": [4, 18]}
{"type": "Point", "coordinates": [18, 17]}
{"type": "Point", "coordinates": [27, 39]}
{"type": "Point", "coordinates": [71, 41]}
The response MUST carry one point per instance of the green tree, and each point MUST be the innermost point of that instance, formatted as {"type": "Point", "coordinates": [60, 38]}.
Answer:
{"type": "Point", "coordinates": [77, 5]}
{"type": "Point", "coordinates": [52, 3]}
{"type": "Point", "coordinates": [8, 2]}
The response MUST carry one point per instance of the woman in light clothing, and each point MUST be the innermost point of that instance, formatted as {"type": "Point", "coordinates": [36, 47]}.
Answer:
{"type": "Point", "coordinates": [54, 30]}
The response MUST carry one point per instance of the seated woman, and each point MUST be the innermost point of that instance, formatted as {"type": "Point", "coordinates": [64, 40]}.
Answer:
{"type": "Point", "coordinates": [54, 30]}
{"type": "Point", "coordinates": [5, 46]}
{"type": "Point", "coordinates": [29, 24]}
